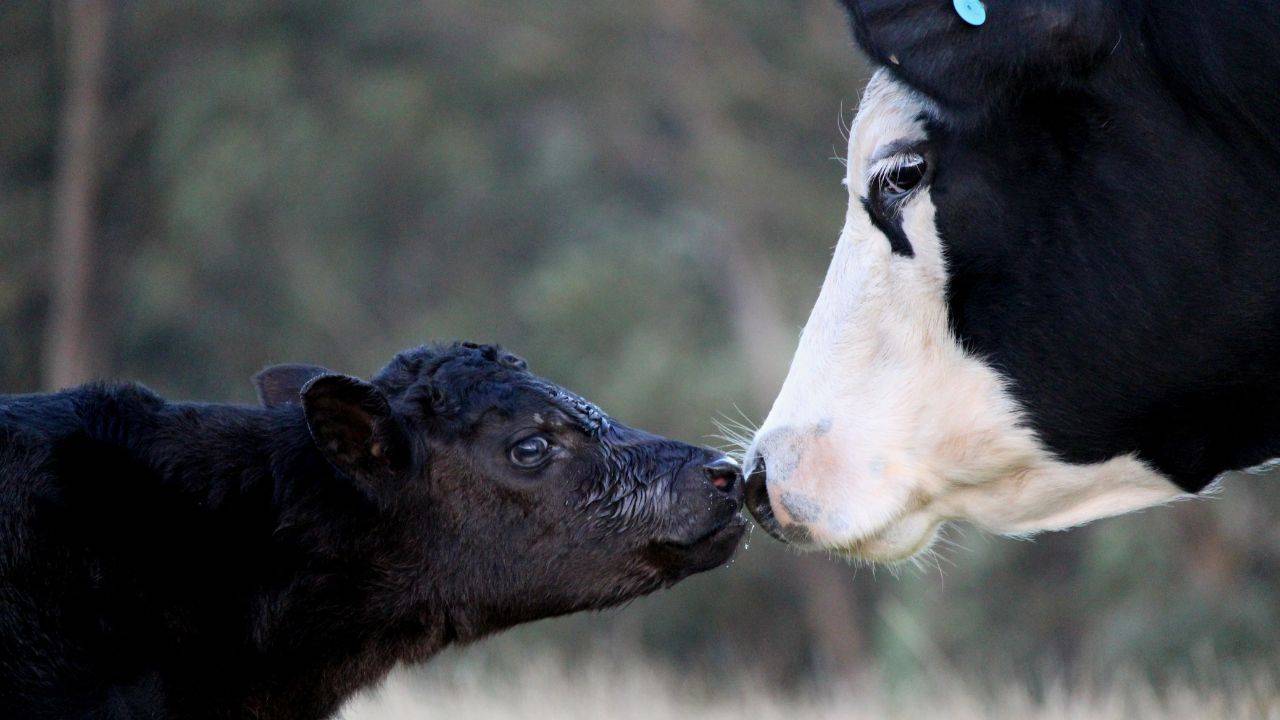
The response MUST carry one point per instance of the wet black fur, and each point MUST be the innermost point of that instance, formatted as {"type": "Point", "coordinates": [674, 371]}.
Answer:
{"type": "Point", "coordinates": [1105, 175]}
{"type": "Point", "coordinates": [174, 560]}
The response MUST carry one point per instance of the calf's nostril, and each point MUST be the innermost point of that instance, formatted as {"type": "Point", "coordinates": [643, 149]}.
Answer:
{"type": "Point", "coordinates": [723, 474]}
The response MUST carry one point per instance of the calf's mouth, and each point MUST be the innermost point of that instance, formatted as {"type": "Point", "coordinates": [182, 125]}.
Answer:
{"type": "Point", "coordinates": [709, 504]}
{"type": "Point", "coordinates": [679, 560]}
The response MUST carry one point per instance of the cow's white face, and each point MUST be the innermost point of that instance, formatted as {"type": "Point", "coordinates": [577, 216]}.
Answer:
{"type": "Point", "coordinates": [885, 427]}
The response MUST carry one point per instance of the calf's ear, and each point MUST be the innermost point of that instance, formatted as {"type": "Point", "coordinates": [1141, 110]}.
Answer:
{"type": "Point", "coordinates": [354, 428]}
{"type": "Point", "coordinates": [282, 384]}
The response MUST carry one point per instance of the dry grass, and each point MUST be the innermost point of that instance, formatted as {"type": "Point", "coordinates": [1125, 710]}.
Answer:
{"type": "Point", "coordinates": [542, 686]}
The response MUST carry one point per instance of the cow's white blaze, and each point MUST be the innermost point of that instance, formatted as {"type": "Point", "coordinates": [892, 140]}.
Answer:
{"type": "Point", "coordinates": [885, 427]}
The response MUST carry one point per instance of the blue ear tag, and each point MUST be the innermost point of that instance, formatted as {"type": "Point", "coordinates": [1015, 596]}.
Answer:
{"type": "Point", "coordinates": [971, 11]}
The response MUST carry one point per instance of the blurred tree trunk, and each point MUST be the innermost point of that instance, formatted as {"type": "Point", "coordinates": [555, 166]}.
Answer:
{"type": "Point", "coordinates": [750, 289]}
{"type": "Point", "coordinates": [68, 352]}
{"type": "Point", "coordinates": [829, 601]}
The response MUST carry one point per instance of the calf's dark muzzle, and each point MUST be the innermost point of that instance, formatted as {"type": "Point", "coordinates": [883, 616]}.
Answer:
{"type": "Point", "coordinates": [704, 523]}
{"type": "Point", "coordinates": [687, 498]}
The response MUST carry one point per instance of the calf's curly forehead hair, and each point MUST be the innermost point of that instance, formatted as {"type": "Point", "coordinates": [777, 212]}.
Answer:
{"type": "Point", "coordinates": [423, 362]}
{"type": "Point", "coordinates": [444, 374]}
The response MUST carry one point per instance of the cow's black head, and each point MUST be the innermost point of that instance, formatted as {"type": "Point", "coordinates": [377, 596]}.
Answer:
{"type": "Point", "coordinates": [527, 500]}
{"type": "Point", "coordinates": [1054, 298]}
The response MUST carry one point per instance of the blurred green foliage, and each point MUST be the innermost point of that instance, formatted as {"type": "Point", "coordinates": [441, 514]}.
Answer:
{"type": "Point", "coordinates": [332, 182]}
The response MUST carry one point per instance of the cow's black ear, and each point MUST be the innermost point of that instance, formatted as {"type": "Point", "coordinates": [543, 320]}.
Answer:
{"type": "Point", "coordinates": [354, 428]}
{"type": "Point", "coordinates": [282, 384]}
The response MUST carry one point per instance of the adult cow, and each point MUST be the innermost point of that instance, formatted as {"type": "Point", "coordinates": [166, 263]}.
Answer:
{"type": "Point", "coordinates": [1056, 296]}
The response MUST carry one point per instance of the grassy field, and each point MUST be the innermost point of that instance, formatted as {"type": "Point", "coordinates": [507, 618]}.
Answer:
{"type": "Point", "coordinates": [538, 686]}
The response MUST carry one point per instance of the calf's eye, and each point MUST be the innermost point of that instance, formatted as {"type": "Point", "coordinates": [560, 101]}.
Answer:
{"type": "Point", "coordinates": [530, 452]}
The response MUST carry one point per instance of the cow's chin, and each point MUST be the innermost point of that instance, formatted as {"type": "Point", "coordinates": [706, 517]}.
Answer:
{"type": "Point", "coordinates": [897, 542]}
{"type": "Point", "coordinates": [907, 534]}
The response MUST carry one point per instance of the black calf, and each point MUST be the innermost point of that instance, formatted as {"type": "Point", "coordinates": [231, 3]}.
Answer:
{"type": "Point", "coordinates": [182, 560]}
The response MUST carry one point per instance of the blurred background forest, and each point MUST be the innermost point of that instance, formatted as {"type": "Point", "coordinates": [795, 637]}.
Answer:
{"type": "Point", "coordinates": [639, 197]}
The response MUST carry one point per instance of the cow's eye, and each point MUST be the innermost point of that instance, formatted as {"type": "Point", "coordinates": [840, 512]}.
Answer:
{"type": "Point", "coordinates": [530, 452]}
{"type": "Point", "coordinates": [896, 180]}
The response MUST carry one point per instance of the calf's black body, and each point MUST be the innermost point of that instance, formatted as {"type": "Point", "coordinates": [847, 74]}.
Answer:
{"type": "Point", "coordinates": [172, 560]}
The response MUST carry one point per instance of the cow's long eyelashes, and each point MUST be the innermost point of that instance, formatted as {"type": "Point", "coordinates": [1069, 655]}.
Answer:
{"type": "Point", "coordinates": [893, 180]}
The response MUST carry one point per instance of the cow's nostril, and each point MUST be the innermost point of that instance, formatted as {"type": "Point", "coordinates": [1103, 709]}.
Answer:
{"type": "Point", "coordinates": [757, 500]}
{"type": "Point", "coordinates": [723, 474]}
